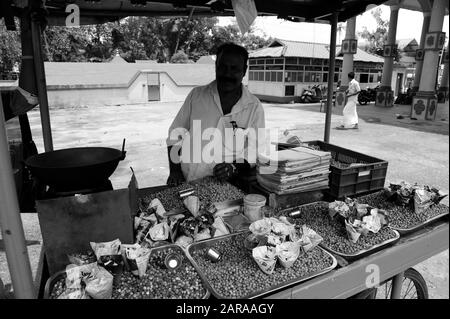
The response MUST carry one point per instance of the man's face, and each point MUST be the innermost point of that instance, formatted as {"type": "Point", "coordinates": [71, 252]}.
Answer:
{"type": "Point", "coordinates": [230, 70]}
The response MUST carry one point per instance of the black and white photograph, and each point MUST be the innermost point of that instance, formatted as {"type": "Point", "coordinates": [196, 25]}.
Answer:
{"type": "Point", "coordinates": [226, 158]}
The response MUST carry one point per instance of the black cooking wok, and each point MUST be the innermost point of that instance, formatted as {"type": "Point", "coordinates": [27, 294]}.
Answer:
{"type": "Point", "coordinates": [75, 168]}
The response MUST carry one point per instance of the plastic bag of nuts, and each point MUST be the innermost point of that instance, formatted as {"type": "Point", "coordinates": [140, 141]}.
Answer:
{"type": "Point", "coordinates": [288, 253]}
{"type": "Point", "coordinates": [109, 256]}
{"type": "Point", "coordinates": [265, 258]}
{"type": "Point", "coordinates": [136, 258]}
{"type": "Point", "coordinates": [92, 279]}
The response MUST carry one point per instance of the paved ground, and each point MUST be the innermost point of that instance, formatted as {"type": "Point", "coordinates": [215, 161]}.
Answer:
{"type": "Point", "coordinates": [417, 151]}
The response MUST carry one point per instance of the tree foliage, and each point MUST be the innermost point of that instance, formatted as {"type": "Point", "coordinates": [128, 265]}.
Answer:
{"type": "Point", "coordinates": [178, 40]}
{"type": "Point", "coordinates": [10, 49]}
{"type": "Point", "coordinates": [378, 38]}
{"type": "Point", "coordinates": [180, 57]}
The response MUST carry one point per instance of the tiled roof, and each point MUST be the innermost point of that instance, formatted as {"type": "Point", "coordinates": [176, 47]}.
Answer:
{"type": "Point", "coordinates": [402, 43]}
{"type": "Point", "coordinates": [280, 48]}
{"type": "Point", "coordinates": [118, 59]}
{"type": "Point", "coordinates": [120, 74]}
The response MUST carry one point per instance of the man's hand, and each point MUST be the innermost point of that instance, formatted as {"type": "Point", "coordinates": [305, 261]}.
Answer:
{"type": "Point", "coordinates": [175, 178]}
{"type": "Point", "coordinates": [224, 171]}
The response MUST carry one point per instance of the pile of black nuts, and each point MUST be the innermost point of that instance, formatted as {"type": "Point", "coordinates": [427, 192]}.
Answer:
{"type": "Point", "coordinates": [333, 232]}
{"type": "Point", "coordinates": [58, 288]}
{"type": "Point", "coordinates": [158, 282]}
{"type": "Point", "coordinates": [208, 189]}
{"type": "Point", "coordinates": [399, 216]}
{"type": "Point", "coordinates": [237, 275]}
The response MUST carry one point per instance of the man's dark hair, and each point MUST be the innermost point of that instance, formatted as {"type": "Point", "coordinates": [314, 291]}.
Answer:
{"type": "Point", "coordinates": [230, 47]}
{"type": "Point", "coordinates": [351, 75]}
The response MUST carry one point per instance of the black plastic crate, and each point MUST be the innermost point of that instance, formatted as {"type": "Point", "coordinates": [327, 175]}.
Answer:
{"type": "Point", "coordinates": [367, 177]}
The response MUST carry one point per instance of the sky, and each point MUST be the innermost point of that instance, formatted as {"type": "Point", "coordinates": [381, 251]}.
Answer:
{"type": "Point", "coordinates": [409, 26]}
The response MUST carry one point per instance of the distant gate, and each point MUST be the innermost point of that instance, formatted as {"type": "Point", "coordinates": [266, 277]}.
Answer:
{"type": "Point", "coordinates": [153, 87]}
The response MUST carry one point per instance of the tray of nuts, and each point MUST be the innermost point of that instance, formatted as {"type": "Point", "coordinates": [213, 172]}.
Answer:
{"type": "Point", "coordinates": [55, 285]}
{"type": "Point", "coordinates": [208, 189]}
{"type": "Point", "coordinates": [404, 219]}
{"type": "Point", "coordinates": [231, 272]}
{"type": "Point", "coordinates": [335, 239]}
{"type": "Point", "coordinates": [161, 282]}
{"type": "Point", "coordinates": [179, 280]}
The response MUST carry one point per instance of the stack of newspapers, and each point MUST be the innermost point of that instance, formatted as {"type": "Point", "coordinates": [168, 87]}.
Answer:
{"type": "Point", "coordinates": [294, 170]}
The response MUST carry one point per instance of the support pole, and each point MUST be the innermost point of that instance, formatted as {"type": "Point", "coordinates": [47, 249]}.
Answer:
{"type": "Point", "coordinates": [348, 47]}
{"type": "Point", "coordinates": [41, 85]}
{"type": "Point", "coordinates": [419, 52]}
{"type": "Point", "coordinates": [397, 283]}
{"type": "Point", "coordinates": [425, 102]}
{"type": "Point", "coordinates": [443, 88]}
{"type": "Point", "coordinates": [331, 66]}
{"type": "Point", "coordinates": [11, 223]}
{"type": "Point", "coordinates": [385, 95]}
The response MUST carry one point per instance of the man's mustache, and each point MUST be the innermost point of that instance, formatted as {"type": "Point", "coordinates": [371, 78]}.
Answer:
{"type": "Point", "coordinates": [226, 79]}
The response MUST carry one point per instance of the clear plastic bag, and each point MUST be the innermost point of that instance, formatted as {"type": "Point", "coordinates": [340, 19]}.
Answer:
{"type": "Point", "coordinates": [265, 258]}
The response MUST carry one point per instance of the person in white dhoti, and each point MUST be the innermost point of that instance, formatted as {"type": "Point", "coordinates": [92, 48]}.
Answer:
{"type": "Point", "coordinates": [349, 112]}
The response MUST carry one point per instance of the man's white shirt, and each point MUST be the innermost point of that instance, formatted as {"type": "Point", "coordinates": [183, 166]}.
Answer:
{"type": "Point", "coordinates": [201, 115]}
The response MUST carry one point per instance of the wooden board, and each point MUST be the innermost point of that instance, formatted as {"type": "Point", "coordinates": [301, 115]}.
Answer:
{"type": "Point", "coordinates": [69, 224]}
{"type": "Point", "coordinates": [289, 200]}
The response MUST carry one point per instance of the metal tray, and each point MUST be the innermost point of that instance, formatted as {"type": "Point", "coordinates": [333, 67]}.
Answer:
{"type": "Point", "coordinates": [187, 257]}
{"type": "Point", "coordinates": [364, 252]}
{"type": "Point", "coordinates": [361, 253]}
{"type": "Point", "coordinates": [62, 273]}
{"type": "Point", "coordinates": [405, 231]}
{"type": "Point", "coordinates": [210, 242]}
{"type": "Point", "coordinates": [52, 281]}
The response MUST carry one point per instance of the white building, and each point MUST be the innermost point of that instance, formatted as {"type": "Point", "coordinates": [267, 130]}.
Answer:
{"type": "Point", "coordinates": [119, 82]}
{"type": "Point", "coordinates": [284, 69]}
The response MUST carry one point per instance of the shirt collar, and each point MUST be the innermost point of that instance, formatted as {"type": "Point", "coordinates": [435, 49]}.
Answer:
{"type": "Point", "coordinates": [241, 104]}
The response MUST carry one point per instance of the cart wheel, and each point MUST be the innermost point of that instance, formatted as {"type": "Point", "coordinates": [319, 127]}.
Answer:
{"type": "Point", "coordinates": [413, 287]}
{"type": "Point", "coordinates": [366, 294]}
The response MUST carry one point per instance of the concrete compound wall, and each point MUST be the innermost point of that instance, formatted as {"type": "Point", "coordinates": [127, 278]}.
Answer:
{"type": "Point", "coordinates": [137, 92]}
{"type": "Point", "coordinates": [87, 96]}
{"type": "Point", "coordinates": [170, 92]}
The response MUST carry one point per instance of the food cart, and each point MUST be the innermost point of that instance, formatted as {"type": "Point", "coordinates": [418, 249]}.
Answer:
{"type": "Point", "coordinates": [346, 278]}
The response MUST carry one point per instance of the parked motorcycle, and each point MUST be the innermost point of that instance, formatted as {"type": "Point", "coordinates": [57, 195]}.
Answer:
{"type": "Point", "coordinates": [311, 95]}
{"type": "Point", "coordinates": [367, 96]}
{"type": "Point", "coordinates": [404, 99]}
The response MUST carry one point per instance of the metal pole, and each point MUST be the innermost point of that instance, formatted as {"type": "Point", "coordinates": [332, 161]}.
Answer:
{"type": "Point", "coordinates": [11, 223]}
{"type": "Point", "coordinates": [41, 85]}
{"type": "Point", "coordinates": [397, 283]}
{"type": "Point", "coordinates": [331, 66]}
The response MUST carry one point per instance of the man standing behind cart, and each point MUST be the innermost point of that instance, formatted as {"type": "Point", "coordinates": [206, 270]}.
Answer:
{"type": "Point", "coordinates": [222, 105]}
{"type": "Point", "coordinates": [349, 112]}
